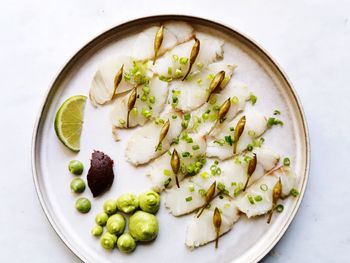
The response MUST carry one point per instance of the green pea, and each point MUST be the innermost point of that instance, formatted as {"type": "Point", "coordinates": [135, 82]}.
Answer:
{"type": "Point", "coordinates": [126, 243]}
{"type": "Point", "coordinates": [77, 185]}
{"type": "Point", "coordinates": [108, 240]}
{"type": "Point", "coordinates": [76, 167]}
{"type": "Point", "coordinates": [97, 231]}
{"type": "Point", "coordinates": [110, 207]}
{"type": "Point", "coordinates": [83, 205]}
{"type": "Point", "coordinates": [101, 218]}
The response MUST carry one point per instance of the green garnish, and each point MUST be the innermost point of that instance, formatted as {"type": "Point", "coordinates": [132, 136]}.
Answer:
{"type": "Point", "coordinates": [251, 199]}
{"type": "Point", "coordinates": [188, 199]}
{"type": "Point", "coordinates": [183, 61]}
{"type": "Point", "coordinates": [276, 112]}
{"type": "Point", "coordinates": [187, 116]}
{"type": "Point", "coordinates": [264, 187]}
{"type": "Point", "coordinates": [252, 98]}
{"type": "Point", "coordinates": [195, 147]}
{"type": "Point", "coordinates": [279, 208]}
{"type": "Point", "coordinates": [166, 172]}
{"type": "Point", "coordinates": [185, 154]}
{"type": "Point", "coordinates": [167, 182]}
{"type": "Point", "coordinates": [273, 121]}
{"type": "Point", "coordinates": [286, 161]}
{"type": "Point", "coordinates": [294, 192]}
{"type": "Point", "coordinates": [258, 198]}
{"type": "Point", "coordinates": [228, 139]}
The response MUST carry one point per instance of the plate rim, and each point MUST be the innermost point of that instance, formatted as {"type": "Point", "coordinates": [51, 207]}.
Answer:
{"type": "Point", "coordinates": [127, 23]}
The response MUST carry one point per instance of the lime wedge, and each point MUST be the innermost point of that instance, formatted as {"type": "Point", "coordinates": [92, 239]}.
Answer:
{"type": "Point", "coordinates": [69, 122]}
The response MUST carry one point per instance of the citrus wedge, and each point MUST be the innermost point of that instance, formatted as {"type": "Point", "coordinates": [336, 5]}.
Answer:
{"type": "Point", "coordinates": [69, 121]}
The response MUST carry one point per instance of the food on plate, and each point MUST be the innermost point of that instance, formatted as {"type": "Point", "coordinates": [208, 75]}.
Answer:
{"type": "Point", "coordinates": [69, 121]}
{"type": "Point", "coordinates": [101, 218]}
{"type": "Point", "coordinates": [108, 240]}
{"type": "Point", "coordinates": [190, 94]}
{"type": "Point", "coordinates": [191, 149]}
{"type": "Point", "coordinates": [149, 201]}
{"type": "Point", "coordinates": [116, 224]}
{"type": "Point", "coordinates": [195, 236]}
{"type": "Point", "coordinates": [76, 167]}
{"type": "Point", "coordinates": [180, 100]}
{"type": "Point", "coordinates": [236, 136]}
{"type": "Point", "coordinates": [100, 176]}
{"type": "Point", "coordinates": [230, 177]}
{"type": "Point", "coordinates": [83, 205]}
{"type": "Point", "coordinates": [173, 33]}
{"type": "Point", "coordinates": [77, 185]}
{"type": "Point", "coordinates": [143, 226]}
{"type": "Point", "coordinates": [205, 119]}
{"type": "Point", "coordinates": [140, 148]}
{"type": "Point", "coordinates": [127, 203]}
{"type": "Point", "coordinates": [176, 63]}
{"type": "Point", "coordinates": [97, 231]}
{"type": "Point", "coordinates": [126, 243]}
{"type": "Point", "coordinates": [193, 56]}
{"type": "Point", "coordinates": [110, 207]}
{"type": "Point", "coordinates": [158, 42]}
{"type": "Point", "coordinates": [142, 104]}
{"type": "Point", "coordinates": [269, 189]}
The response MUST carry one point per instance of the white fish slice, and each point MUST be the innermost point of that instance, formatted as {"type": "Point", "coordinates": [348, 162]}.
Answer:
{"type": "Point", "coordinates": [140, 148]}
{"type": "Point", "coordinates": [161, 173]}
{"type": "Point", "coordinates": [153, 96]}
{"type": "Point", "coordinates": [256, 125]}
{"type": "Point", "coordinates": [175, 63]}
{"type": "Point", "coordinates": [102, 86]}
{"type": "Point", "coordinates": [204, 118]}
{"type": "Point", "coordinates": [201, 231]}
{"type": "Point", "coordinates": [193, 93]}
{"type": "Point", "coordinates": [264, 188]}
{"type": "Point", "coordinates": [175, 33]}
{"type": "Point", "coordinates": [232, 177]}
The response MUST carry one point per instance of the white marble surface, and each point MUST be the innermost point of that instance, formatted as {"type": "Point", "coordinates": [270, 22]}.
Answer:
{"type": "Point", "coordinates": [310, 40]}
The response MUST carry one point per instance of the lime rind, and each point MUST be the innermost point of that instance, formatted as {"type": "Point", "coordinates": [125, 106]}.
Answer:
{"type": "Point", "coordinates": [69, 121]}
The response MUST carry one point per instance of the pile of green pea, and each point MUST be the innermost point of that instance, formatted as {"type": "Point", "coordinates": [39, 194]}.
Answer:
{"type": "Point", "coordinates": [77, 185]}
{"type": "Point", "coordinates": [142, 225]}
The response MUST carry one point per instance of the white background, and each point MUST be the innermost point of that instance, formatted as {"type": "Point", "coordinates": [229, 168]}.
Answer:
{"type": "Point", "coordinates": [309, 39]}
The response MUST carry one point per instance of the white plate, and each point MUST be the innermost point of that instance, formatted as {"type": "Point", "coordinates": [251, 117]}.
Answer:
{"type": "Point", "coordinates": [248, 241]}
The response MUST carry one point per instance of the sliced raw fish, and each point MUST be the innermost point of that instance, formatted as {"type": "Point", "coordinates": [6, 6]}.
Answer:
{"type": "Point", "coordinates": [149, 104]}
{"type": "Point", "coordinates": [141, 146]}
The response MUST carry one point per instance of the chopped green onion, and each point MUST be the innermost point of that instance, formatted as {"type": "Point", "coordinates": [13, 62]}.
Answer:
{"type": "Point", "coordinates": [228, 139]}
{"type": "Point", "coordinates": [252, 98]}
{"type": "Point", "coordinates": [184, 124]}
{"type": "Point", "coordinates": [188, 199]}
{"type": "Point", "coordinates": [216, 162]}
{"type": "Point", "coordinates": [294, 192]}
{"type": "Point", "coordinates": [152, 99]}
{"type": "Point", "coordinates": [173, 117]}
{"type": "Point", "coordinates": [121, 121]}
{"type": "Point", "coordinates": [187, 116]}
{"type": "Point", "coordinates": [204, 175]}
{"type": "Point", "coordinates": [264, 187]}
{"type": "Point", "coordinates": [220, 142]}
{"type": "Point", "coordinates": [135, 111]}
{"type": "Point", "coordinates": [144, 97]}
{"type": "Point", "coordinates": [237, 161]}
{"type": "Point", "coordinates": [221, 187]}
{"type": "Point", "coordinates": [273, 121]}
{"type": "Point", "coordinates": [276, 112]}
{"type": "Point", "coordinates": [221, 196]}
{"type": "Point", "coordinates": [146, 90]}
{"type": "Point", "coordinates": [210, 77]}
{"type": "Point", "coordinates": [146, 113]}
{"type": "Point", "coordinates": [166, 172]}
{"type": "Point", "coordinates": [175, 58]}
{"type": "Point", "coordinates": [251, 199]}
{"type": "Point", "coordinates": [232, 128]}
{"type": "Point", "coordinates": [178, 72]}
{"type": "Point", "coordinates": [167, 182]}
{"type": "Point", "coordinates": [234, 100]}
{"type": "Point", "coordinates": [233, 183]}
{"type": "Point", "coordinates": [202, 192]}
{"type": "Point", "coordinates": [258, 198]}
{"type": "Point", "coordinates": [183, 61]}
{"type": "Point", "coordinates": [185, 154]}
{"type": "Point", "coordinates": [251, 133]}
{"type": "Point", "coordinates": [199, 82]}
{"type": "Point", "coordinates": [279, 208]}
{"type": "Point", "coordinates": [170, 70]}
{"type": "Point", "coordinates": [191, 188]}
{"type": "Point", "coordinates": [250, 147]}
{"type": "Point", "coordinates": [205, 116]}
{"type": "Point", "coordinates": [195, 147]}
{"type": "Point", "coordinates": [286, 161]}
{"type": "Point", "coordinates": [159, 121]}
{"type": "Point", "coordinates": [165, 79]}
{"type": "Point", "coordinates": [199, 65]}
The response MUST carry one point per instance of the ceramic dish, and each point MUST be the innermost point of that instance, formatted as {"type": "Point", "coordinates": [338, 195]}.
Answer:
{"type": "Point", "coordinates": [248, 241]}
